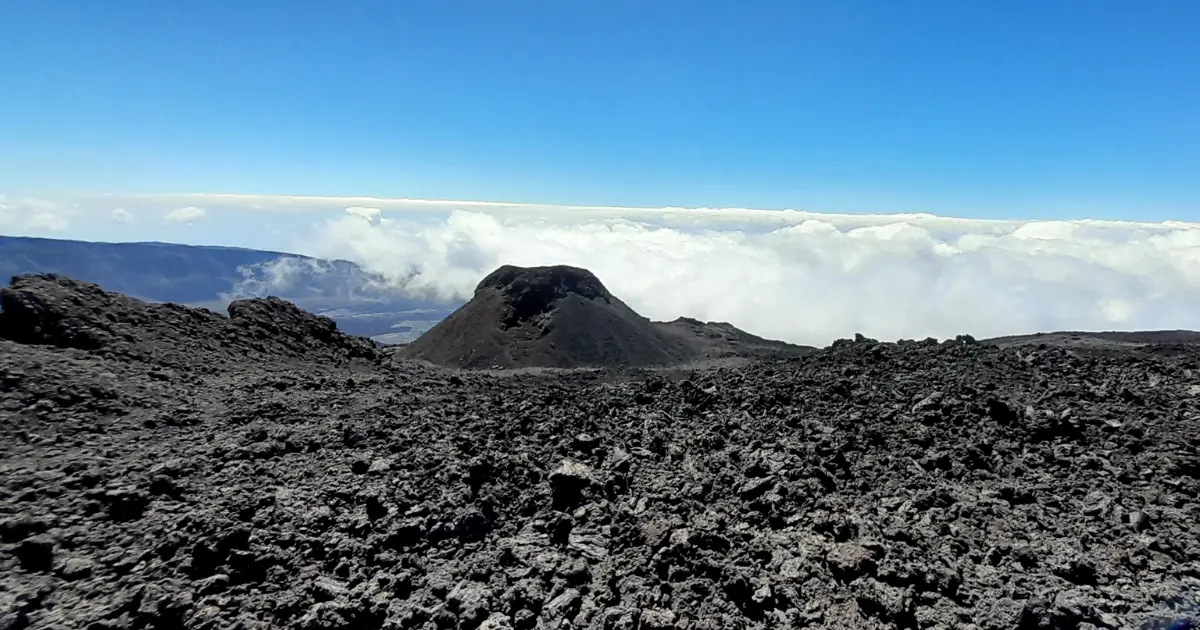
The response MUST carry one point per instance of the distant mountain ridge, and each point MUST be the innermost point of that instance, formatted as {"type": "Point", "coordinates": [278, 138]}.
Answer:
{"type": "Point", "coordinates": [162, 272]}
{"type": "Point", "coordinates": [361, 302]}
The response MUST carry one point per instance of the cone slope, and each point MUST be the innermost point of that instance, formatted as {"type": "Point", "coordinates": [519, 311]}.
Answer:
{"type": "Point", "coordinates": [555, 316]}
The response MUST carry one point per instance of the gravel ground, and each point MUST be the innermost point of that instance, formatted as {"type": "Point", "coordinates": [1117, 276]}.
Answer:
{"type": "Point", "coordinates": [162, 468]}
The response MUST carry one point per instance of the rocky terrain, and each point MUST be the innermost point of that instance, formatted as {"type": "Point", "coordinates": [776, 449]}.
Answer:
{"type": "Point", "coordinates": [164, 467]}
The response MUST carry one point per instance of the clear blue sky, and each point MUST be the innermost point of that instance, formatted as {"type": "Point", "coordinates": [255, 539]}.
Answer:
{"type": "Point", "coordinates": [973, 108]}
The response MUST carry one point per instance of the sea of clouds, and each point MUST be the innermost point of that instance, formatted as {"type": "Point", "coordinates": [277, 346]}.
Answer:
{"type": "Point", "coordinates": [818, 277]}
{"type": "Point", "coordinates": [801, 276]}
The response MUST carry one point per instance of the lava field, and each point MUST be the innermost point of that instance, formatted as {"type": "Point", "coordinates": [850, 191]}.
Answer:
{"type": "Point", "coordinates": [164, 467]}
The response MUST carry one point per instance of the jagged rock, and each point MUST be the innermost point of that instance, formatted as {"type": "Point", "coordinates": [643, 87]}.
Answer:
{"type": "Point", "coordinates": [1138, 520]}
{"type": "Point", "coordinates": [568, 483]}
{"type": "Point", "coordinates": [497, 621]}
{"type": "Point", "coordinates": [17, 528]}
{"type": "Point", "coordinates": [848, 562]}
{"type": "Point", "coordinates": [76, 569]}
{"type": "Point", "coordinates": [125, 503]}
{"type": "Point", "coordinates": [658, 619]}
{"type": "Point", "coordinates": [561, 608]}
{"type": "Point", "coordinates": [36, 553]}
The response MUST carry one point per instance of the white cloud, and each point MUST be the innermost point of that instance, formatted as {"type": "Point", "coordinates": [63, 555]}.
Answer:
{"type": "Point", "coordinates": [121, 215]}
{"type": "Point", "coordinates": [32, 215]}
{"type": "Point", "coordinates": [273, 277]}
{"type": "Point", "coordinates": [816, 277]}
{"type": "Point", "coordinates": [294, 275]}
{"type": "Point", "coordinates": [8, 214]}
{"type": "Point", "coordinates": [47, 221]}
{"type": "Point", "coordinates": [739, 218]}
{"type": "Point", "coordinates": [186, 214]}
{"type": "Point", "coordinates": [371, 215]}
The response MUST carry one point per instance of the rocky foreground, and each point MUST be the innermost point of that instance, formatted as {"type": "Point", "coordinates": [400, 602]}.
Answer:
{"type": "Point", "coordinates": [169, 468]}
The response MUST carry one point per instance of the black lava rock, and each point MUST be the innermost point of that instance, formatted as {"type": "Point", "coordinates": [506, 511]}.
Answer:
{"type": "Point", "coordinates": [168, 467]}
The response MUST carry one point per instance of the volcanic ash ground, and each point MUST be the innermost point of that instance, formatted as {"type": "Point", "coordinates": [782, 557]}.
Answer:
{"type": "Point", "coordinates": [164, 467]}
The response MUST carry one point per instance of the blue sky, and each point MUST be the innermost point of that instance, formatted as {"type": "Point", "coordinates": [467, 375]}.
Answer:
{"type": "Point", "coordinates": [1015, 109]}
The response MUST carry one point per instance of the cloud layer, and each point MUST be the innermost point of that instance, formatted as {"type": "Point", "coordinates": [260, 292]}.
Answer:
{"type": "Point", "coordinates": [814, 278]}
{"type": "Point", "coordinates": [32, 215]}
{"type": "Point", "coordinates": [802, 276]}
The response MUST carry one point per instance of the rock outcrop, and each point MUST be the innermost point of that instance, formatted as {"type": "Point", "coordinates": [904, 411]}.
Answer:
{"type": "Point", "coordinates": [59, 311]}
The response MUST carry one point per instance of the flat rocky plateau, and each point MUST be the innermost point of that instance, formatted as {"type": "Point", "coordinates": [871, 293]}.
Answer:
{"type": "Point", "coordinates": [164, 467]}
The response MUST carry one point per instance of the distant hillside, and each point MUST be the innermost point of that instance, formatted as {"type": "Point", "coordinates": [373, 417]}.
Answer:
{"type": "Point", "coordinates": [1110, 343]}
{"type": "Point", "coordinates": [157, 271]}
{"type": "Point", "coordinates": [361, 302]}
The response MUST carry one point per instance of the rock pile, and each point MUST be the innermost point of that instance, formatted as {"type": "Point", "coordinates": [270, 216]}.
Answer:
{"type": "Point", "coordinates": [866, 485]}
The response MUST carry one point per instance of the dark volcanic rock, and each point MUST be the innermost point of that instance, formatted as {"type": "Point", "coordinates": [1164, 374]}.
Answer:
{"type": "Point", "coordinates": [529, 292]}
{"type": "Point", "coordinates": [55, 310]}
{"type": "Point", "coordinates": [36, 553]}
{"type": "Point", "coordinates": [546, 317]}
{"type": "Point", "coordinates": [279, 322]}
{"type": "Point", "coordinates": [193, 471]}
{"type": "Point", "coordinates": [563, 317]}
{"type": "Point", "coordinates": [721, 340]}
{"type": "Point", "coordinates": [58, 311]}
